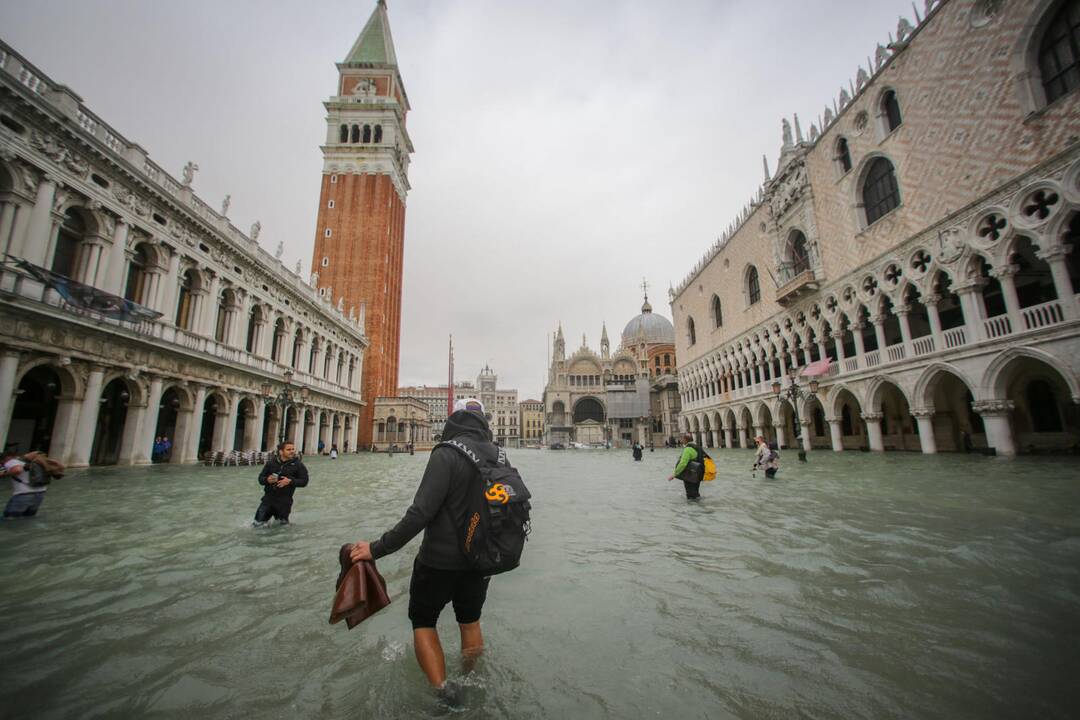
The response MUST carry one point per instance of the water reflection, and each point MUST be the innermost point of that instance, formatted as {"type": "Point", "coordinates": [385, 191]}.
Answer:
{"type": "Point", "coordinates": [856, 585]}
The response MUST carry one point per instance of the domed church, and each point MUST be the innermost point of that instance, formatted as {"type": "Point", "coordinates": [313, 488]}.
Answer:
{"type": "Point", "coordinates": [622, 398]}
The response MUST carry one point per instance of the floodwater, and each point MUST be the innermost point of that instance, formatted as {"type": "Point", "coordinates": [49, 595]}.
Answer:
{"type": "Point", "coordinates": [854, 586]}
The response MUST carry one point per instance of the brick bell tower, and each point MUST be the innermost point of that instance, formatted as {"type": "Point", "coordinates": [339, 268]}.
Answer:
{"type": "Point", "coordinates": [360, 234]}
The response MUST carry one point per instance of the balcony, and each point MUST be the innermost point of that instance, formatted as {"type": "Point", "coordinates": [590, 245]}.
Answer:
{"type": "Point", "coordinates": [797, 280]}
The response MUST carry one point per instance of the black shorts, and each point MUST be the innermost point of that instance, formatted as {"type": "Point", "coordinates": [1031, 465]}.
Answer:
{"type": "Point", "coordinates": [274, 507]}
{"type": "Point", "coordinates": [431, 588]}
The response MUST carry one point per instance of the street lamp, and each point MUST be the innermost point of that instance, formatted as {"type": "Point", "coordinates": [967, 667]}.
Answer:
{"type": "Point", "coordinates": [793, 394]}
{"type": "Point", "coordinates": [284, 398]}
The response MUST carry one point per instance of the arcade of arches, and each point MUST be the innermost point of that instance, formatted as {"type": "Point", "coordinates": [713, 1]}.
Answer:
{"type": "Point", "coordinates": [87, 414]}
{"type": "Point", "coordinates": [1024, 402]}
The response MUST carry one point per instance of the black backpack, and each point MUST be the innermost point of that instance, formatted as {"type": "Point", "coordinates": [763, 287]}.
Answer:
{"type": "Point", "coordinates": [493, 532]}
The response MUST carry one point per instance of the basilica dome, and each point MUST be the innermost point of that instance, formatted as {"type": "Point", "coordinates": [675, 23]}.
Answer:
{"type": "Point", "coordinates": [648, 328]}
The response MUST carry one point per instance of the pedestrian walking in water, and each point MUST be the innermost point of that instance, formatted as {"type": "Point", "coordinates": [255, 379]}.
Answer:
{"type": "Point", "coordinates": [442, 573]}
{"type": "Point", "coordinates": [282, 474]}
{"type": "Point", "coordinates": [30, 478]}
{"type": "Point", "coordinates": [768, 457]}
{"type": "Point", "coordinates": [333, 452]}
{"type": "Point", "coordinates": [637, 451]}
{"type": "Point", "coordinates": [690, 468]}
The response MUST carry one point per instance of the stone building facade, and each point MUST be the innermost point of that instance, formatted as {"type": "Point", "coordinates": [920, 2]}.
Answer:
{"type": "Point", "coordinates": [615, 398]}
{"type": "Point", "coordinates": [532, 422]}
{"type": "Point", "coordinates": [130, 309]}
{"type": "Point", "coordinates": [401, 421]}
{"type": "Point", "coordinates": [922, 239]}
{"type": "Point", "coordinates": [360, 231]}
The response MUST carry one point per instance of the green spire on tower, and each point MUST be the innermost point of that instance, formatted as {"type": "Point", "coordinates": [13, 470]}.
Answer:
{"type": "Point", "coordinates": [375, 46]}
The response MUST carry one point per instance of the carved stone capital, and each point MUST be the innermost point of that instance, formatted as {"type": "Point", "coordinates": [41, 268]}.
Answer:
{"type": "Point", "coordinates": [993, 407]}
{"type": "Point", "coordinates": [872, 416]}
{"type": "Point", "coordinates": [922, 412]}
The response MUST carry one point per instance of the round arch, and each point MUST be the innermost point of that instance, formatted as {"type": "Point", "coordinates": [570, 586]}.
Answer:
{"type": "Point", "coordinates": [997, 376]}
{"type": "Point", "coordinates": [588, 408]}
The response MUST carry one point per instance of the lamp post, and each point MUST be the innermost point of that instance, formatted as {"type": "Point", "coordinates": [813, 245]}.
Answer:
{"type": "Point", "coordinates": [285, 397]}
{"type": "Point", "coordinates": [793, 394]}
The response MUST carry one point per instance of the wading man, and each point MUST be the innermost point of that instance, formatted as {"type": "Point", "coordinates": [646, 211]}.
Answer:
{"type": "Point", "coordinates": [441, 572]}
{"type": "Point", "coordinates": [282, 474]}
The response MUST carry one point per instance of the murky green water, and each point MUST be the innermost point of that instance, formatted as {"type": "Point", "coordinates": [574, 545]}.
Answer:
{"type": "Point", "coordinates": [856, 586]}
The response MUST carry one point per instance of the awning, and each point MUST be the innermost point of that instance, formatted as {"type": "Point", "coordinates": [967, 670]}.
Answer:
{"type": "Point", "coordinates": [817, 368]}
{"type": "Point", "coordinates": [85, 297]}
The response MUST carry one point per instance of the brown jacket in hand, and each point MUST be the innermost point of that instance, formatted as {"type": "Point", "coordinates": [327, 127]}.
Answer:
{"type": "Point", "coordinates": [361, 590]}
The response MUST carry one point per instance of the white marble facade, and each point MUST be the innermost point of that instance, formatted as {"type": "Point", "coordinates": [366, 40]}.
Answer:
{"type": "Point", "coordinates": [235, 325]}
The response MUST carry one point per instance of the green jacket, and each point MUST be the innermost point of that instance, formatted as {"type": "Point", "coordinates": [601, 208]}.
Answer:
{"type": "Point", "coordinates": [689, 454]}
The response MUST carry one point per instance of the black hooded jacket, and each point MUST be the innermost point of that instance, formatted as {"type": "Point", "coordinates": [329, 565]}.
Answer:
{"type": "Point", "coordinates": [293, 469]}
{"type": "Point", "coordinates": [441, 501]}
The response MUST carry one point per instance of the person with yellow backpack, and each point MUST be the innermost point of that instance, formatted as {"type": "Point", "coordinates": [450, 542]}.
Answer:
{"type": "Point", "coordinates": [694, 467]}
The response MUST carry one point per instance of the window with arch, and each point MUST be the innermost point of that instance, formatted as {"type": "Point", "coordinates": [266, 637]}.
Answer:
{"type": "Point", "coordinates": [355, 137]}
{"type": "Point", "coordinates": [378, 133]}
{"type": "Point", "coordinates": [327, 233]}
{"type": "Point", "coordinates": [138, 276]}
{"type": "Point", "coordinates": [367, 134]}
{"type": "Point", "coordinates": [185, 305]}
{"type": "Point", "coordinates": [843, 155]}
{"type": "Point", "coordinates": [333, 179]}
{"type": "Point", "coordinates": [880, 193]}
{"type": "Point", "coordinates": [890, 111]}
{"type": "Point", "coordinates": [343, 134]}
{"type": "Point", "coordinates": [691, 333]}
{"type": "Point", "coordinates": [753, 286]}
{"type": "Point", "coordinates": [717, 311]}
{"type": "Point", "coordinates": [800, 256]}
{"type": "Point", "coordinates": [1059, 52]}
{"type": "Point", "coordinates": [330, 204]}
{"type": "Point", "coordinates": [68, 240]}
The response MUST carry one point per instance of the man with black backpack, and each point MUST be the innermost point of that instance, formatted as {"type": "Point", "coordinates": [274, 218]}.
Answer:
{"type": "Point", "coordinates": [690, 468]}
{"type": "Point", "coordinates": [474, 511]}
{"type": "Point", "coordinates": [29, 481]}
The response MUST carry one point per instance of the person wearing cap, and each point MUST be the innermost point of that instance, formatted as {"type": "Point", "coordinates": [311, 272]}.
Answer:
{"type": "Point", "coordinates": [25, 498]}
{"type": "Point", "coordinates": [441, 573]}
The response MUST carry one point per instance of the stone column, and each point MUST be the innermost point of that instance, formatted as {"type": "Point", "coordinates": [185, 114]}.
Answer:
{"type": "Point", "coordinates": [744, 442]}
{"type": "Point", "coordinates": [88, 416]}
{"type": "Point", "coordinates": [258, 426]}
{"type": "Point", "coordinates": [191, 442]}
{"type": "Point", "coordinates": [133, 432]}
{"type": "Point", "coordinates": [856, 333]}
{"type": "Point", "coordinates": [9, 366]}
{"type": "Point", "coordinates": [116, 261]}
{"type": "Point", "coordinates": [19, 228]}
{"type": "Point", "coordinates": [36, 243]}
{"type": "Point", "coordinates": [759, 431]}
{"type": "Point", "coordinates": [7, 226]}
{"type": "Point", "coordinates": [229, 440]}
{"type": "Point", "coordinates": [1066, 293]}
{"type": "Point", "coordinates": [89, 259]}
{"type": "Point", "coordinates": [781, 435]}
{"type": "Point", "coordinates": [879, 335]}
{"type": "Point", "coordinates": [141, 454]}
{"type": "Point", "coordinates": [971, 305]}
{"type": "Point", "coordinates": [931, 303]}
{"type": "Point", "coordinates": [925, 419]}
{"type": "Point", "coordinates": [729, 438]}
{"type": "Point", "coordinates": [63, 437]}
{"type": "Point", "coordinates": [902, 315]}
{"type": "Point", "coordinates": [995, 417]}
{"type": "Point", "coordinates": [838, 343]}
{"type": "Point", "coordinates": [836, 435]}
{"type": "Point", "coordinates": [311, 442]}
{"type": "Point", "coordinates": [873, 431]}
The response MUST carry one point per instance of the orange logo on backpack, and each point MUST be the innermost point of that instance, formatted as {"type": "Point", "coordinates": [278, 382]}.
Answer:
{"type": "Point", "coordinates": [497, 493]}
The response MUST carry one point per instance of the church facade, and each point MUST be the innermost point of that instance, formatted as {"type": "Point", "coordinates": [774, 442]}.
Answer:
{"type": "Point", "coordinates": [907, 278]}
{"type": "Point", "coordinates": [618, 398]}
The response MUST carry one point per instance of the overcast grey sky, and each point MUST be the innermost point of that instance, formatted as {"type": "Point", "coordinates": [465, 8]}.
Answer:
{"type": "Point", "coordinates": [564, 149]}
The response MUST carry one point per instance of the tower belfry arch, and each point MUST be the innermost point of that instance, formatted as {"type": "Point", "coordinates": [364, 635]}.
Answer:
{"type": "Point", "coordinates": [360, 231]}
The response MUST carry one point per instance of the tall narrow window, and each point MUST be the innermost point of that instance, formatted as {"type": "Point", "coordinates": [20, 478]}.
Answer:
{"type": "Point", "coordinates": [355, 133]}
{"type": "Point", "coordinates": [1059, 52]}
{"type": "Point", "coordinates": [717, 311]}
{"type": "Point", "coordinates": [68, 241]}
{"type": "Point", "coordinates": [890, 110]}
{"type": "Point", "coordinates": [378, 133]}
{"type": "Point", "coordinates": [344, 134]}
{"type": "Point", "coordinates": [367, 133]}
{"type": "Point", "coordinates": [880, 191]}
{"type": "Point", "coordinates": [753, 286]}
{"type": "Point", "coordinates": [185, 304]}
{"type": "Point", "coordinates": [691, 333]}
{"type": "Point", "coordinates": [137, 277]}
{"type": "Point", "coordinates": [843, 155]}
{"type": "Point", "coordinates": [800, 258]}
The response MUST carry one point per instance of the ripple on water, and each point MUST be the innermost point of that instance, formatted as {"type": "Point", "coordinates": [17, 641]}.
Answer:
{"type": "Point", "coordinates": [855, 585]}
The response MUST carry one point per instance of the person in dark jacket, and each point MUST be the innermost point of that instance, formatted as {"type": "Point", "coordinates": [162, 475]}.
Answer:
{"type": "Point", "coordinates": [441, 572]}
{"type": "Point", "coordinates": [280, 477]}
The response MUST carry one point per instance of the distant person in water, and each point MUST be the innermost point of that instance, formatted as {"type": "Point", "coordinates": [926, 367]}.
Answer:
{"type": "Point", "coordinates": [690, 468]}
{"type": "Point", "coordinates": [282, 474]}
{"type": "Point", "coordinates": [768, 457]}
{"type": "Point", "coordinates": [637, 450]}
{"type": "Point", "coordinates": [333, 452]}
